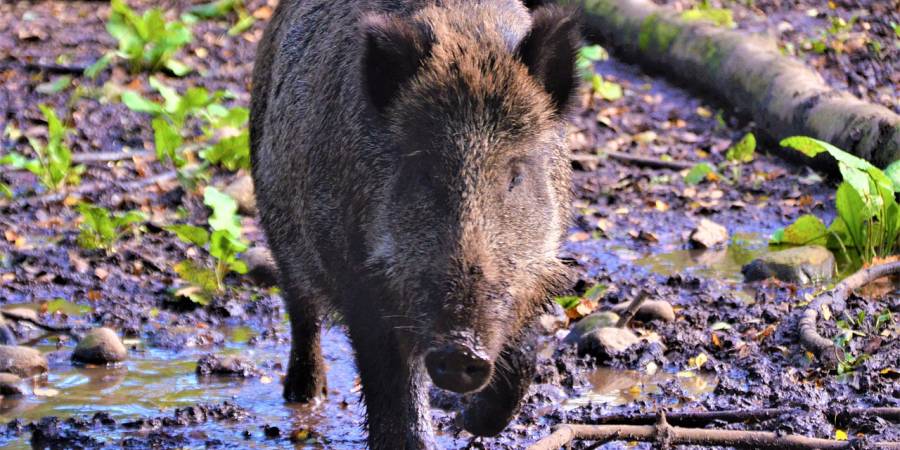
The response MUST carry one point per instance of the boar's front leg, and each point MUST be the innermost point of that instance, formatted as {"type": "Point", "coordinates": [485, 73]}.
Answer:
{"type": "Point", "coordinates": [393, 386]}
{"type": "Point", "coordinates": [490, 410]}
{"type": "Point", "coordinates": [305, 378]}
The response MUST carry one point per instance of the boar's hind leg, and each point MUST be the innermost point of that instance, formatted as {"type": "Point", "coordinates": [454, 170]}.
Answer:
{"type": "Point", "coordinates": [491, 409]}
{"type": "Point", "coordinates": [393, 387]}
{"type": "Point", "coordinates": [306, 371]}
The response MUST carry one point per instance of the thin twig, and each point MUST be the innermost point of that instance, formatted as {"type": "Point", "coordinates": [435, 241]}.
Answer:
{"type": "Point", "coordinates": [110, 156]}
{"type": "Point", "coordinates": [44, 67]}
{"type": "Point", "coordinates": [51, 328]}
{"type": "Point", "coordinates": [810, 338]}
{"type": "Point", "coordinates": [564, 434]}
{"type": "Point", "coordinates": [702, 418]}
{"type": "Point", "coordinates": [648, 161]}
{"type": "Point", "coordinates": [55, 197]}
{"type": "Point", "coordinates": [632, 309]}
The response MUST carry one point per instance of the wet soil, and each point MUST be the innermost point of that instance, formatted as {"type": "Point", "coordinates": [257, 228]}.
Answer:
{"type": "Point", "coordinates": [630, 233]}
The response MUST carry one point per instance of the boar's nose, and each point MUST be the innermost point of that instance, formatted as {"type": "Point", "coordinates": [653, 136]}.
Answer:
{"type": "Point", "coordinates": [458, 368]}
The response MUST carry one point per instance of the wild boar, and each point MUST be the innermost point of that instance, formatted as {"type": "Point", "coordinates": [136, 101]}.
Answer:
{"type": "Point", "coordinates": [412, 179]}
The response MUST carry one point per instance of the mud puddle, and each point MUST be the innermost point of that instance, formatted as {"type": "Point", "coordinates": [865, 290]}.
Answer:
{"type": "Point", "coordinates": [154, 382]}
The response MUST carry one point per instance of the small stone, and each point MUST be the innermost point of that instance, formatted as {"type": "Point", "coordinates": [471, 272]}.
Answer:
{"type": "Point", "coordinates": [708, 234]}
{"type": "Point", "coordinates": [235, 366]}
{"type": "Point", "coordinates": [241, 190]}
{"type": "Point", "coordinates": [6, 335]}
{"type": "Point", "coordinates": [650, 310]}
{"type": "Point", "coordinates": [21, 313]}
{"type": "Point", "coordinates": [607, 341]}
{"type": "Point", "coordinates": [550, 323]}
{"type": "Point", "coordinates": [806, 264]}
{"type": "Point", "coordinates": [261, 266]}
{"type": "Point", "coordinates": [22, 361]}
{"type": "Point", "coordinates": [10, 385]}
{"type": "Point", "coordinates": [590, 323]}
{"type": "Point", "coordinates": [100, 346]}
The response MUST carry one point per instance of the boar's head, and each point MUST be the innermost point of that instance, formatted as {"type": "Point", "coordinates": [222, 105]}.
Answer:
{"type": "Point", "coordinates": [471, 99]}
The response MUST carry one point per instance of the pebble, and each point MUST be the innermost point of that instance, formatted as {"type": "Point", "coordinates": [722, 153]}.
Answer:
{"type": "Point", "coordinates": [708, 234]}
{"type": "Point", "coordinates": [22, 361]}
{"type": "Point", "coordinates": [650, 310]}
{"type": "Point", "coordinates": [806, 264]}
{"type": "Point", "coordinates": [100, 346]}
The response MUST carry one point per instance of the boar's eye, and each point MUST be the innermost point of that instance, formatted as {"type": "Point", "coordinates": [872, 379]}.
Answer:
{"type": "Point", "coordinates": [424, 179]}
{"type": "Point", "coordinates": [515, 180]}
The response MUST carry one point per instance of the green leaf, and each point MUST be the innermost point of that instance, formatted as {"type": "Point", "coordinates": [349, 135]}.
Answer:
{"type": "Point", "coordinates": [197, 275]}
{"type": "Point", "coordinates": [744, 151]}
{"type": "Point", "coordinates": [99, 66]}
{"type": "Point", "coordinates": [698, 173]}
{"type": "Point", "coordinates": [850, 208]}
{"type": "Point", "coordinates": [606, 89]}
{"type": "Point", "coordinates": [224, 216]}
{"type": "Point", "coordinates": [178, 68]}
{"type": "Point", "coordinates": [242, 25]}
{"type": "Point", "coordinates": [190, 234]}
{"type": "Point", "coordinates": [807, 229]}
{"type": "Point", "coordinates": [167, 141]}
{"type": "Point", "coordinates": [892, 171]}
{"type": "Point", "coordinates": [568, 301]}
{"type": "Point", "coordinates": [56, 86]}
{"type": "Point", "coordinates": [593, 53]}
{"type": "Point", "coordinates": [6, 191]}
{"type": "Point", "coordinates": [136, 103]}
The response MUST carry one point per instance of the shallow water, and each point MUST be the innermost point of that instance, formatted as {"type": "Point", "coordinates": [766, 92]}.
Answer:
{"type": "Point", "coordinates": [153, 382]}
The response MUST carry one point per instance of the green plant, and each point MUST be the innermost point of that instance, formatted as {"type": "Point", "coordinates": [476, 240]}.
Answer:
{"type": "Point", "coordinates": [224, 245]}
{"type": "Point", "coordinates": [225, 139]}
{"type": "Point", "coordinates": [858, 325]}
{"type": "Point", "coordinates": [742, 152]}
{"type": "Point", "coordinates": [222, 8]}
{"type": "Point", "coordinates": [868, 217]}
{"type": "Point", "coordinates": [587, 56]}
{"type": "Point", "coordinates": [147, 41]}
{"type": "Point", "coordinates": [53, 164]}
{"type": "Point", "coordinates": [100, 229]}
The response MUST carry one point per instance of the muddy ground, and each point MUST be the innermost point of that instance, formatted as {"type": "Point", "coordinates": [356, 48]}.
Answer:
{"type": "Point", "coordinates": [630, 233]}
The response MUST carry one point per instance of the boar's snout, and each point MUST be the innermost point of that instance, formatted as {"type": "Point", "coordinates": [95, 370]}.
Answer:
{"type": "Point", "coordinates": [458, 368]}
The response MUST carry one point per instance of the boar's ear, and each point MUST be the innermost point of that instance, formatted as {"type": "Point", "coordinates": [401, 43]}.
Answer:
{"type": "Point", "coordinates": [548, 51]}
{"type": "Point", "coordinates": [394, 50]}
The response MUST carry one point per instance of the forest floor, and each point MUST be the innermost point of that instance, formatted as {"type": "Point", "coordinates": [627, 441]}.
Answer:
{"type": "Point", "coordinates": [733, 344]}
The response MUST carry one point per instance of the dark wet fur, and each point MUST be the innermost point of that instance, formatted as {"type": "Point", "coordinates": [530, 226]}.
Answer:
{"type": "Point", "coordinates": [411, 174]}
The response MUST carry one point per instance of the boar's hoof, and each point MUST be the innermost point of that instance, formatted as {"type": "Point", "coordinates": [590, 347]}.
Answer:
{"type": "Point", "coordinates": [457, 368]}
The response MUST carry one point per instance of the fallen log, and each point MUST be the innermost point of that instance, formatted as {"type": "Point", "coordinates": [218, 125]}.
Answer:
{"type": "Point", "coordinates": [746, 72]}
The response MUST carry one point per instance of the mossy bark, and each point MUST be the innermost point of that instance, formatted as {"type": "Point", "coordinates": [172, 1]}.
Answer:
{"type": "Point", "coordinates": [748, 73]}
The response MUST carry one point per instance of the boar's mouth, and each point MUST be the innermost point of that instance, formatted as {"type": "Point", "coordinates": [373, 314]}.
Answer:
{"type": "Point", "coordinates": [458, 367]}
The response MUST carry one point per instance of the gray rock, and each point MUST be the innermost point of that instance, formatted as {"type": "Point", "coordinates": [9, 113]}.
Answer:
{"type": "Point", "coordinates": [235, 366]}
{"type": "Point", "coordinates": [22, 361]}
{"type": "Point", "coordinates": [241, 190]}
{"type": "Point", "coordinates": [22, 313]}
{"type": "Point", "coordinates": [100, 346]}
{"type": "Point", "coordinates": [11, 385]}
{"type": "Point", "coordinates": [607, 341]}
{"type": "Point", "coordinates": [708, 234]}
{"type": "Point", "coordinates": [590, 323]}
{"type": "Point", "coordinates": [802, 265]}
{"type": "Point", "coordinates": [6, 335]}
{"type": "Point", "coordinates": [261, 266]}
{"type": "Point", "coordinates": [650, 310]}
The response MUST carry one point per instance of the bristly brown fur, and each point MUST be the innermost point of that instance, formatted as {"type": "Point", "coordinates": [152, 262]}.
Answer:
{"type": "Point", "coordinates": [411, 173]}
